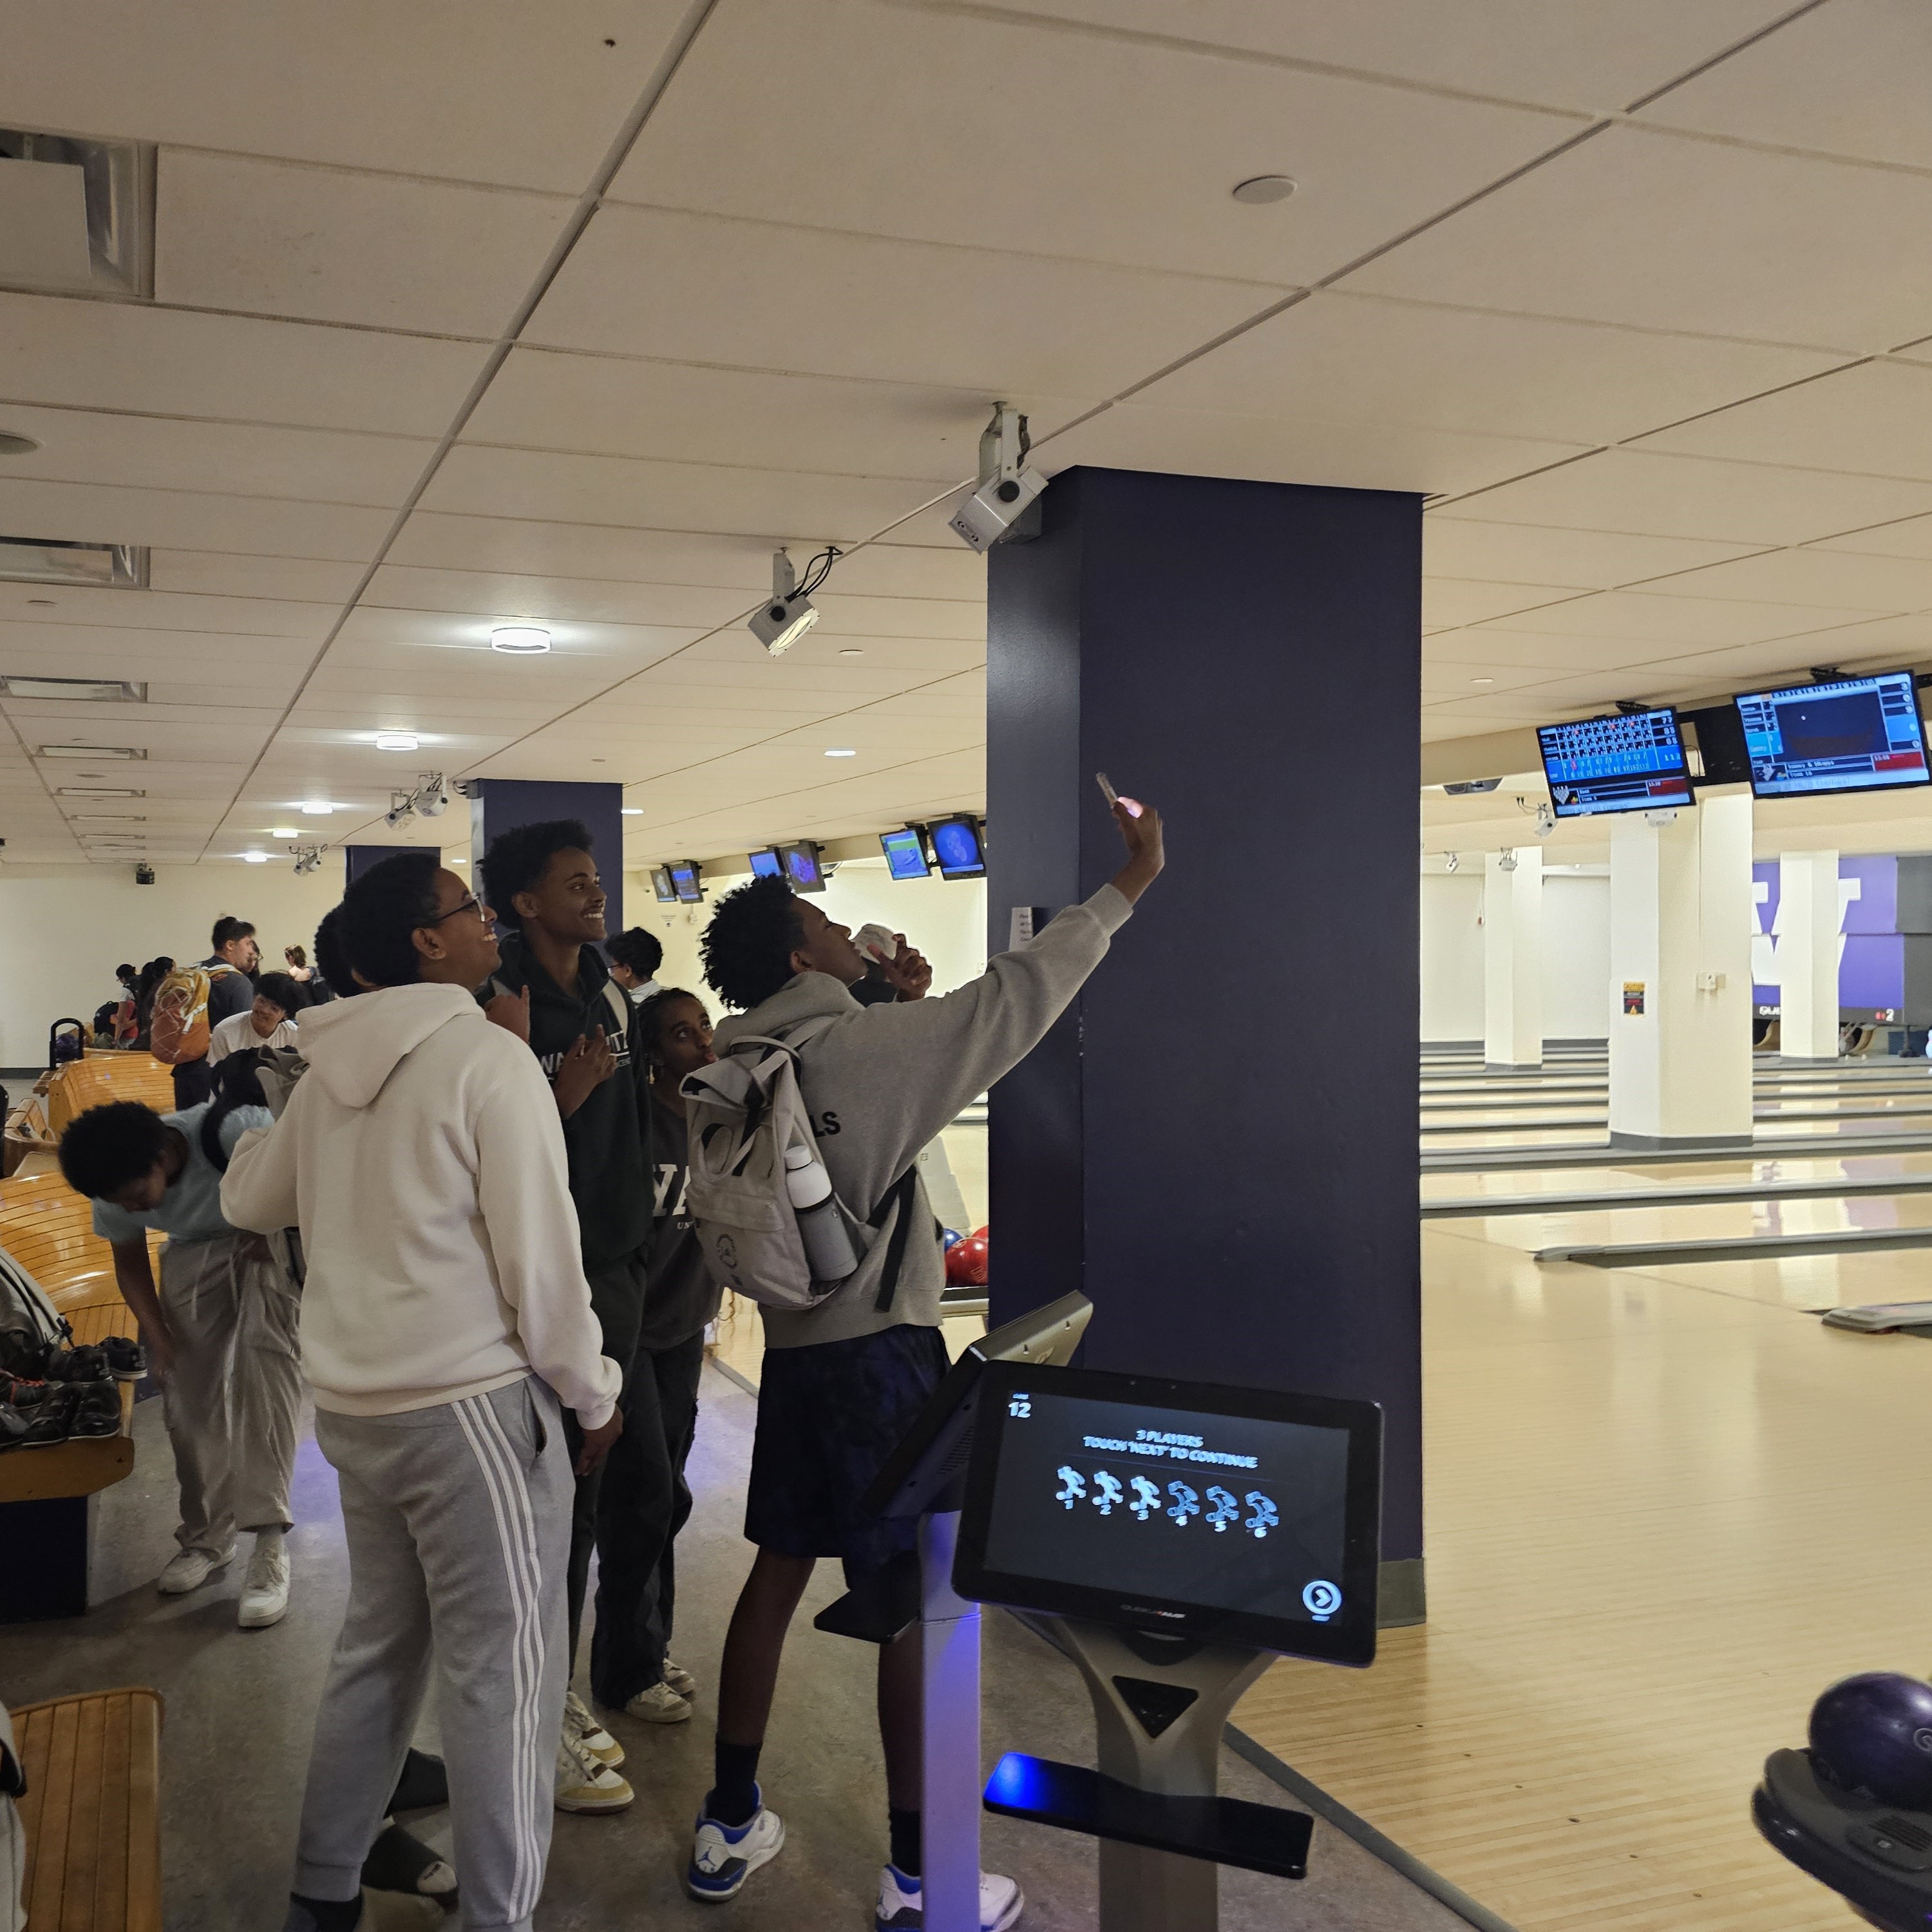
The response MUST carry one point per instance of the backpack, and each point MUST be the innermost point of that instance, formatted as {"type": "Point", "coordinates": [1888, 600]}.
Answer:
{"type": "Point", "coordinates": [177, 1029]}
{"type": "Point", "coordinates": [29, 1327]}
{"type": "Point", "coordinates": [740, 1115]}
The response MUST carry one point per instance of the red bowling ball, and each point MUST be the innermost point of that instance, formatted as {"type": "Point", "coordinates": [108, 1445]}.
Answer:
{"type": "Point", "coordinates": [966, 1262]}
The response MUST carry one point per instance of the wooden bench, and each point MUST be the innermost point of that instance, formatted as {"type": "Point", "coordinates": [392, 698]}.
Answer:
{"type": "Point", "coordinates": [49, 1229]}
{"type": "Point", "coordinates": [92, 1811]}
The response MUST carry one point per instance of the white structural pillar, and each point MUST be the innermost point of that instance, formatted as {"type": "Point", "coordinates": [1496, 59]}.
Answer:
{"type": "Point", "coordinates": [1808, 918]}
{"type": "Point", "coordinates": [1512, 958]}
{"type": "Point", "coordinates": [1680, 1019]}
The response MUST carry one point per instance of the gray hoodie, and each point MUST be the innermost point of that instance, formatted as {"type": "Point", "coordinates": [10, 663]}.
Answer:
{"type": "Point", "coordinates": [880, 1081]}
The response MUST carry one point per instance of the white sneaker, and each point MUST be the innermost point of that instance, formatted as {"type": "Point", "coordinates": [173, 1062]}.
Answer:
{"type": "Point", "coordinates": [189, 1569]}
{"type": "Point", "coordinates": [583, 1784]}
{"type": "Point", "coordinates": [679, 1679]}
{"type": "Point", "coordinates": [902, 1902]}
{"type": "Point", "coordinates": [265, 1595]}
{"type": "Point", "coordinates": [723, 1856]}
{"type": "Point", "coordinates": [580, 1724]}
{"type": "Point", "coordinates": [658, 1704]}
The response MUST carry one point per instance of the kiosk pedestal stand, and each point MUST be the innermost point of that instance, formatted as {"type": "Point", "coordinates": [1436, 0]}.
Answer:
{"type": "Point", "coordinates": [1157, 1723]}
{"type": "Point", "coordinates": [949, 1763]}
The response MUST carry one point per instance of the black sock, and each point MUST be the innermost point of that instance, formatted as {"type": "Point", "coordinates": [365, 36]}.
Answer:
{"type": "Point", "coordinates": [904, 1826]}
{"type": "Point", "coordinates": [332, 1915]}
{"type": "Point", "coordinates": [733, 1797]}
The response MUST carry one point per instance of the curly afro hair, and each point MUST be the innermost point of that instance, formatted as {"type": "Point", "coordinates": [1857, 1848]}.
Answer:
{"type": "Point", "coordinates": [107, 1147]}
{"type": "Point", "coordinates": [748, 946]}
{"type": "Point", "coordinates": [378, 915]}
{"type": "Point", "coordinates": [516, 859]}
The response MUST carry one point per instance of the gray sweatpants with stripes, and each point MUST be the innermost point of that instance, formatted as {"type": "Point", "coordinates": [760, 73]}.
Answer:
{"type": "Point", "coordinates": [458, 1525]}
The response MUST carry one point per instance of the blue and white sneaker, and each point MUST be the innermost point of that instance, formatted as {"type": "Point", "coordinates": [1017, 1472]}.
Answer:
{"type": "Point", "coordinates": [725, 1855]}
{"type": "Point", "coordinates": [902, 1902]}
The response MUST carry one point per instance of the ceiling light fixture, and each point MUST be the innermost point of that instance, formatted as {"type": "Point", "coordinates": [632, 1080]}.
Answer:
{"type": "Point", "coordinates": [790, 612]}
{"type": "Point", "coordinates": [283, 831]}
{"type": "Point", "coordinates": [849, 652]}
{"type": "Point", "coordinates": [398, 741]}
{"type": "Point", "coordinates": [1259, 189]}
{"type": "Point", "coordinates": [520, 640]}
{"type": "Point", "coordinates": [83, 690]}
{"type": "Point", "coordinates": [54, 560]}
{"type": "Point", "coordinates": [1007, 486]}
{"type": "Point", "coordinates": [97, 791]}
{"type": "Point", "coordinates": [317, 808]}
{"type": "Point", "coordinates": [91, 751]}
{"type": "Point", "coordinates": [630, 811]}
{"type": "Point", "coordinates": [841, 751]}
{"type": "Point", "coordinates": [254, 858]}
{"type": "Point", "coordinates": [13, 444]}
{"type": "Point", "coordinates": [1482, 680]}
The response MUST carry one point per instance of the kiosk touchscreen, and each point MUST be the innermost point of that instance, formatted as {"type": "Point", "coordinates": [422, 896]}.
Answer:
{"type": "Point", "coordinates": [1231, 1516]}
{"type": "Point", "coordinates": [1634, 761]}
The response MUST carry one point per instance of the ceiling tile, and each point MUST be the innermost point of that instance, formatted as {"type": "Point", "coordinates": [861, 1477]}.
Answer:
{"type": "Point", "coordinates": [263, 526]}
{"type": "Point", "coordinates": [302, 580]}
{"type": "Point", "coordinates": [1453, 546]}
{"type": "Point", "coordinates": [693, 288]}
{"type": "Point", "coordinates": [1636, 226]}
{"type": "Point", "coordinates": [473, 90]}
{"type": "Point", "coordinates": [1828, 575]}
{"type": "Point", "coordinates": [1647, 493]}
{"type": "Point", "coordinates": [276, 238]}
{"type": "Point", "coordinates": [546, 400]}
{"type": "Point", "coordinates": [1876, 419]}
{"type": "Point", "coordinates": [161, 362]}
{"type": "Point", "coordinates": [1451, 601]}
{"type": "Point", "coordinates": [1003, 137]}
{"type": "Point", "coordinates": [1364, 360]}
{"type": "Point", "coordinates": [1665, 618]}
{"type": "Point", "coordinates": [1598, 57]}
{"type": "Point", "coordinates": [1848, 78]}
{"type": "Point", "coordinates": [774, 506]}
{"type": "Point", "coordinates": [539, 599]}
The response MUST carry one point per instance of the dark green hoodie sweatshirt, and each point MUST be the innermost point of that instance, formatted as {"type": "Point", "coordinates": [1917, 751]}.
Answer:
{"type": "Point", "coordinates": [608, 1137]}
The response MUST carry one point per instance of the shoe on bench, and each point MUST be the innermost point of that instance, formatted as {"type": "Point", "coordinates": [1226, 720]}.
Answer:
{"type": "Point", "coordinates": [94, 1408]}
{"type": "Point", "coordinates": [127, 1360]}
{"type": "Point", "coordinates": [189, 1569]}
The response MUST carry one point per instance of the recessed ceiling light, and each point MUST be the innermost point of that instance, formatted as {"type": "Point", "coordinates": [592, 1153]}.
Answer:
{"type": "Point", "coordinates": [41, 603]}
{"type": "Point", "coordinates": [631, 812]}
{"type": "Point", "coordinates": [14, 444]}
{"type": "Point", "coordinates": [283, 831]}
{"type": "Point", "coordinates": [317, 808]}
{"type": "Point", "coordinates": [91, 751]}
{"type": "Point", "coordinates": [85, 690]}
{"type": "Point", "coordinates": [109, 817]}
{"type": "Point", "coordinates": [255, 858]}
{"type": "Point", "coordinates": [520, 639]}
{"type": "Point", "coordinates": [456, 862]}
{"type": "Point", "coordinates": [56, 560]}
{"type": "Point", "coordinates": [397, 741]}
{"type": "Point", "coordinates": [96, 791]}
{"type": "Point", "coordinates": [852, 652]}
{"type": "Point", "coordinates": [841, 751]}
{"type": "Point", "coordinates": [1482, 680]}
{"type": "Point", "coordinates": [1263, 188]}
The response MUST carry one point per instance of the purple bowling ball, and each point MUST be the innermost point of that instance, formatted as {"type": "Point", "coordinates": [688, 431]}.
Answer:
{"type": "Point", "coordinates": [1874, 1733]}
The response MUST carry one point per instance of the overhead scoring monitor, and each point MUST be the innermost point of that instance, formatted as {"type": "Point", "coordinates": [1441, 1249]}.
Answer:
{"type": "Point", "coordinates": [905, 853]}
{"type": "Point", "coordinates": [1234, 1516]}
{"type": "Point", "coordinates": [803, 865]}
{"type": "Point", "coordinates": [959, 845]}
{"type": "Point", "coordinates": [661, 884]}
{"type": "Point", "coordinates": [685, 876]}
{"type": "Point", "coordinates": [1851, 734]}
{"type": "Point", "coordinates": [766, 863]}
{"type": "Point", "coordinates": [1632, 762]}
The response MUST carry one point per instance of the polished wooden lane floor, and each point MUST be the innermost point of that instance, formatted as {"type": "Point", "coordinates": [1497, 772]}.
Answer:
{"type": "Point", "coordinates": [1665, 1507]}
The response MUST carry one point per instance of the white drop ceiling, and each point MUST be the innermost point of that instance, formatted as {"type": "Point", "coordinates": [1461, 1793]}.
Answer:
{"type": "Point", "coordinates": [468, 312]}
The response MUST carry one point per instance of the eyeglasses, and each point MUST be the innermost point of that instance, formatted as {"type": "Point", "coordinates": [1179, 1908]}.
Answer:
{"type": "Point", "coordinates": [471, 903]}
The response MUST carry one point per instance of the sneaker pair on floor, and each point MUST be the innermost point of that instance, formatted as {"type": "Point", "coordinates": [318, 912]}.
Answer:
{"type": "Point", "coordinates": [723, 1856]}
{"type": "Point", "coordinates": [265, 1591]}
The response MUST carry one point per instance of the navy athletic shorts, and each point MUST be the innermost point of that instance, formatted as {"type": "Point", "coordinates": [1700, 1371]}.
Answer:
{"type": "Point", "coordinates": [829, 1416]}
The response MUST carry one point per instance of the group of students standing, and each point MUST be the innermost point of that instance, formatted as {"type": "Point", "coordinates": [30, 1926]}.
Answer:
{"type": "Point", "coordinates": [501, 1320]}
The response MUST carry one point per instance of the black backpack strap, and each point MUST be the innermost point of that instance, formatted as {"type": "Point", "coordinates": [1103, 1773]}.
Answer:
{"type": "Point", "coordinates": [901, 1192]}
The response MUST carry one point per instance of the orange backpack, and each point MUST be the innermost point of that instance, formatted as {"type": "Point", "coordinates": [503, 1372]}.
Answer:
{"type": "Point", "coordinates": [178, 1032]}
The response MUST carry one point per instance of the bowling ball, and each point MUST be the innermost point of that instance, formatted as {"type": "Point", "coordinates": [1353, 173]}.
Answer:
{"type": "Point", "coordinates": [951, 1236]}
{"type": "Point", "coordinates": [966, 1262]}
{"type": "Point", "coordinates": [1874, 1733]}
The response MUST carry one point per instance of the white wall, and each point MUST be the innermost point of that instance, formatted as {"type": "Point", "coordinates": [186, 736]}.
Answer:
{"type": "Point", "coordinates": [945, 920]}
{"type": "Point", "coordinates": [1576, 955]}
{"type": "Point", "coordinates": [64, 928]}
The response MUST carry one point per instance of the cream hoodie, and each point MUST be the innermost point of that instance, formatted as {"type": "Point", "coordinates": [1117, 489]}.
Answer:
{"type": "Point", "coordinates": [422, 1158]}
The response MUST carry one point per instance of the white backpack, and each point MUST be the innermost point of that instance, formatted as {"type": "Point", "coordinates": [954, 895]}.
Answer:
{"type": "Point", "coordinates": [740, 1115]}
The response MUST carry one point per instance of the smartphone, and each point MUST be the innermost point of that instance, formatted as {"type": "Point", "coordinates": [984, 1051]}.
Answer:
{"type": "Point", "coordinates": [1113, 797]}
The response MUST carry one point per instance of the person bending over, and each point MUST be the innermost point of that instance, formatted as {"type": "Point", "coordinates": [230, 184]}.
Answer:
{"type": "Point", "coordinates": [269, 1022]}
{"type": "Point", "coordinates": [554, 989]}
{"type": "Point", "coordinates": [220, 1331]}
{"type": "Point", "coordinates": [842, 1382]}
{"type": "Point", "coordinates": [635, 957]}
{"type": "Point", "coordinates": [630, 1669]}
{"type": "Point", "coordinates": [446, 1326]}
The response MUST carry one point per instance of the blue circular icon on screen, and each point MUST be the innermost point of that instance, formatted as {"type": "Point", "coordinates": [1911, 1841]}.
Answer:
{"type": "Point", "coordinates": [958, 849]}
{"type": "Point", "coordinates": [1322, 1600]}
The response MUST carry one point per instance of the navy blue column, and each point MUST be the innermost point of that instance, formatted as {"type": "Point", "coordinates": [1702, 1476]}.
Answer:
{"type": "Point", "coordinates": [360, 859]}
{"type": "Point", "coordinates": [1218, 1143]}
{"type": "Point", "coordinates": [497, 806]}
